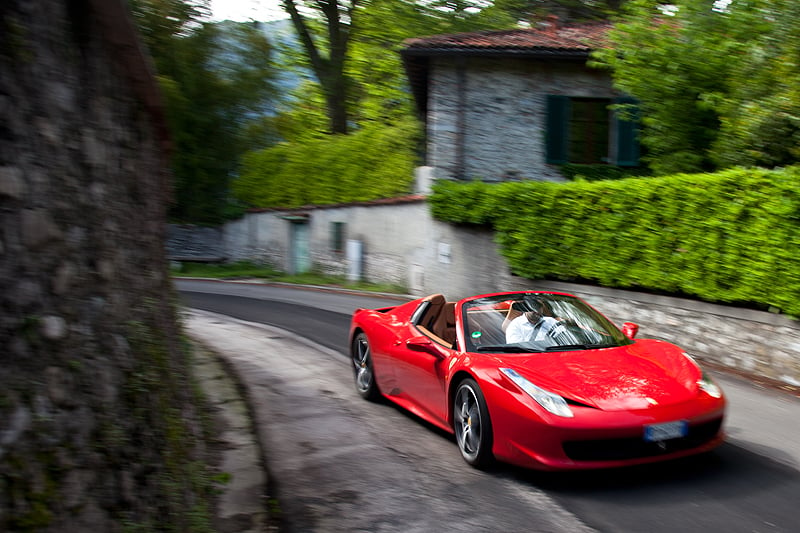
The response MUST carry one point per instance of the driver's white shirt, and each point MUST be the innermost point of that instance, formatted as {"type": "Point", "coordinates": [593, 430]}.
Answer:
{"type": "Point", "coordinates": [521, 330]}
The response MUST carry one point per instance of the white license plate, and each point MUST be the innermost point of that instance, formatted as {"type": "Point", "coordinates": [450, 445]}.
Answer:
{"type": "Point", "coordinates": [667, 431]}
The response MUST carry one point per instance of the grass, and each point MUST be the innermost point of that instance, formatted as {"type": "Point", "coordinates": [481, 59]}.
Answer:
{"type": "Point", "coordinates": [249, 270]}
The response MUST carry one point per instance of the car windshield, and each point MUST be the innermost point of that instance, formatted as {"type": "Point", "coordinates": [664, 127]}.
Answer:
{"type": "Point", "coordinates": [536, 322]}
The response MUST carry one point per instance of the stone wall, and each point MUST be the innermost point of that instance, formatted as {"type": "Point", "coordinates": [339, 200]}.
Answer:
{"type": "Point", "coordinates": [97, 419]}
{"type": "Point", "coordinates": [195, 243]}
{"type": "Point", "coordinates": [504, 107]}
{"type": "Point", "coordinates": [403, 244]}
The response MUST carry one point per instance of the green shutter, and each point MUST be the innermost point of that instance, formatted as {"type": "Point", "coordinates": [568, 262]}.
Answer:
{"type": "Point", "coordinates": [556, 136]}
{"type": "Point", "coordinates": [627, 152]}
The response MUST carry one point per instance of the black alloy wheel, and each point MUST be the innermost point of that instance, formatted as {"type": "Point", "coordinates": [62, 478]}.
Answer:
{"type": "Point", "coordinates": [362, 368]}
{"type": "Point", "coordinates": [472, 425]}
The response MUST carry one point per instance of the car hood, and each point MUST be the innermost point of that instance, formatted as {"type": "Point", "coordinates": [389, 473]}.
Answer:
{"type": "Point", "coordinates": [647, 373]}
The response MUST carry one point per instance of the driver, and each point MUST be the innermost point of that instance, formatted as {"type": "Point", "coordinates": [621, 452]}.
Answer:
{"type": "Point", "coordinates": [531, 325]}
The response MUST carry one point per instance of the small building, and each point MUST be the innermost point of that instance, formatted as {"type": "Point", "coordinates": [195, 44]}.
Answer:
{"type": "Point", "coordinates": [517, 104]}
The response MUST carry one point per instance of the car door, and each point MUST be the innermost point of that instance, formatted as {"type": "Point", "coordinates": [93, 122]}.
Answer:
{"type": "Point", "coordinates": [421, 365]}
{"type": "Point", "coordinates": [420, 373]}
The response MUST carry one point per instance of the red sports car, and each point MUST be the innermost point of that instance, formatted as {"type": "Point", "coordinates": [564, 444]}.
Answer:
{"type": "Point", "coordinates": [537, 379]}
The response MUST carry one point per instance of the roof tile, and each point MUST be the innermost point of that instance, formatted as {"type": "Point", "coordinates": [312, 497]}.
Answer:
{"type": "Point", "coordinates": [577, 37]}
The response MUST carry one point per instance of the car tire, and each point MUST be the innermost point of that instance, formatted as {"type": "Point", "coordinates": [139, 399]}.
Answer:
{"type": "Point", "coordinates": [472, 425]}
{"type": "Point", "coordinates": [363, 370]}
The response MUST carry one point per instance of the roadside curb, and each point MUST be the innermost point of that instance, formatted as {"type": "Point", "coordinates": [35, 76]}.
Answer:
{"type": "Point", "coordinates": [316, 288]}
{"type": "Point", "coordinates": [244, 503]}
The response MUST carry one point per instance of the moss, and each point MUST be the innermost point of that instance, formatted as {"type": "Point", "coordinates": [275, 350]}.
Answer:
{"type": "Point", "coordinates": [16, 40]}
{"type": "Point", "coordinates": [32, 502]}
{"type": "Point", "coordinates": [168, 408]}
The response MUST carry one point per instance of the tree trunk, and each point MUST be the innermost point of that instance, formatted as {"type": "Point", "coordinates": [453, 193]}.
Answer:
{"type": "Point", "coordinates": [328, 70]}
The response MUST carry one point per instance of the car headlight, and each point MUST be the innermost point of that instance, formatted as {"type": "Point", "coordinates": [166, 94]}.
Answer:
{"type": "Point", "coordinates": [705, 382]}
{"type": "Point", "coordinates": [708, 386]}
{"type": "Point", "coordinates": [551, 402]}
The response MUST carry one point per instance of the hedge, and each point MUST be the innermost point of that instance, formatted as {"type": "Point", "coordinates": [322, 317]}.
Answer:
{"type": "Point", "coordinates": [729, 237]}
{"type": "Point", "coordinates": [375, 162]}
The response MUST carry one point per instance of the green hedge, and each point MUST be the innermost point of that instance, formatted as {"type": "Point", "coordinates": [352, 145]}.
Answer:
{"type": "Point", "coordinates": [375, 162]}
{"type": "Point", "coordinates": [729, 237]}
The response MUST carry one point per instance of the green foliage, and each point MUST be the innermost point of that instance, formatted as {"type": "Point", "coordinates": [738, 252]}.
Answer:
{"type": "Point", "coordinates": [567, 10]}
{"type": "Point", "coordinates": [726, 237]}
{"type": "Point", "coordinates": [717, 83]}
{"type": "Point", "coordinates": [166, 407]}
{"type": "Point", "coordinates": [684, 67]}
{"type": "Point", "coordinates": [374, 162]}
{"type": "Point", "coordinates": [239, 269]}
{"type": "Point", "coordinates": [761, 114]}
{"type": "Point", "coordinates": [377, 158]}
{"type": "Point", "coordinates": [215, 80]}
{"type": "Point", "coordinates": [372, 79]}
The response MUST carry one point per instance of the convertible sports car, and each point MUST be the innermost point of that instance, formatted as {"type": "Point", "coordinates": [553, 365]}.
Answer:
{"type": "Point", "coordinates": [537, 379]}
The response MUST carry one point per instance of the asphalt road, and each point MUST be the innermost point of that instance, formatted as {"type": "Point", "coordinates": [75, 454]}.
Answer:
{"type": "Point", "coordinates": [414, 472]}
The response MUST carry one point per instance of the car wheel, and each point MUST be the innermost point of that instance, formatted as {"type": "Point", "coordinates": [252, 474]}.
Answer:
{"type": "Point", "coordinates": [363, 369]}
{"type": "Point", "coordinates": [472, 425]}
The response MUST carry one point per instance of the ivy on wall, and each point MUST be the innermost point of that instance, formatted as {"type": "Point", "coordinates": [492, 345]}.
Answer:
{"type": "Point", "coordinates": [728, 237]}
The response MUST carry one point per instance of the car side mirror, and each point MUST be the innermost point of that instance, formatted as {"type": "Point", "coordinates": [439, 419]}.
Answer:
{"type": "Point", "coordinates": [630, 329]}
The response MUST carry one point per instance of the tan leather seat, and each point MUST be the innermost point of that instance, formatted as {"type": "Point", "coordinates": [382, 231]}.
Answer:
{"type": "Point", "coordinates": [439, 321]}
{"type": "Point", "coordinates": [445, 325]}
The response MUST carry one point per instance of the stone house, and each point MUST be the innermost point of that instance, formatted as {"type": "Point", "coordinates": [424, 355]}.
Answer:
{"type": "Point", "coordinates": [516, 104]}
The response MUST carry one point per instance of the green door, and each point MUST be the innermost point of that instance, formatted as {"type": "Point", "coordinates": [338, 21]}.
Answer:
{"type": "Point", "coordinates": [299, 258]}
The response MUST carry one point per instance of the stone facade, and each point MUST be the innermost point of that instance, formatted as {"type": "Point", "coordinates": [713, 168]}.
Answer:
{"type": "Point", "coordinates": [93, 385]}
{"type": "Point", "coordinates": [499, 106]}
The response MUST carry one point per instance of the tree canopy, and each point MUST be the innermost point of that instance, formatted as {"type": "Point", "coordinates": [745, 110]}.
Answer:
{"type": "Point", "coordinates": [214, 84]}
{"type": "Point", "coordinates": [716, 81]}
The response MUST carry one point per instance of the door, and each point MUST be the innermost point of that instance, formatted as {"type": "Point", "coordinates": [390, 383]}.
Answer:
{"type": "Point", "coordinates": [420, 376]}
{"type": "Point", "coordinates": [299, 257]}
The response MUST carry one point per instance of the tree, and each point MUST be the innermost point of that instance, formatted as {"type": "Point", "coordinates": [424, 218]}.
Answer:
{"type": "Point", "coordinates": [717, 82]}
{"type": "Point", "coordinates": [377, 105]}
{"type": "Point", "coordinates": [216, 79]}
{"type": "Point", "coordinates": [678, 78]}
{"type": "Point", "coordinates": [328, 66]}
{"type": "Point", "coordinates": [761, 114]}
{"type": "Point", "coordinates": [566, 10]}
{"type": "Point", "coordinates": [351, 47]}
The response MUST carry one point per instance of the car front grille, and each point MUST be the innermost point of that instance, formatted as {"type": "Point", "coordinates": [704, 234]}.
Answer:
{"type": "Point", "coordinates": [637, 447]}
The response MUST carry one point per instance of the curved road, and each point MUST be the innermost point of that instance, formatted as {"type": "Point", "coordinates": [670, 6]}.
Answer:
{"type": "Point", "coordinates": [750, 484]}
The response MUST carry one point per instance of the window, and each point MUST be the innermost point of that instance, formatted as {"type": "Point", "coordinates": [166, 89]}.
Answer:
{"type": "Point", "coordinates": [587, 131]}
{"type": "Point", "coordinates": [337, 237]}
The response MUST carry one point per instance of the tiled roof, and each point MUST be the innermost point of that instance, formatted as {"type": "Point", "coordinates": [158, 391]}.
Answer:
{"type": "Point", "coordinates": [573, 38]}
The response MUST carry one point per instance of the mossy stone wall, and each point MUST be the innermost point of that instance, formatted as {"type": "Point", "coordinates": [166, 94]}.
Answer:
{"type": "Point", "coordinates": [99, 429]}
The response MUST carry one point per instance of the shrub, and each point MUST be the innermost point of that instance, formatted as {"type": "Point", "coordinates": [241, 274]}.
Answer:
{"type": "Point", "coordinates": [375, 162]}
{"type": "Point", "coordinates": [725, 237]}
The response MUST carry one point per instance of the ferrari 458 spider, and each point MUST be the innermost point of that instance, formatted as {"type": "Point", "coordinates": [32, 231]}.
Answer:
{"type": "Point", "coordinates": [537, 379]}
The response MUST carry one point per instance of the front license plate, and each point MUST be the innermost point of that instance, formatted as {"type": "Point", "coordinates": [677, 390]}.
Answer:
{"type": "Point", "coordinates": [669, 430]}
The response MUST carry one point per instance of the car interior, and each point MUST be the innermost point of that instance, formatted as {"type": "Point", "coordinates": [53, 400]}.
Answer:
{"type": "Point", "coordinates": [438, 320]}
